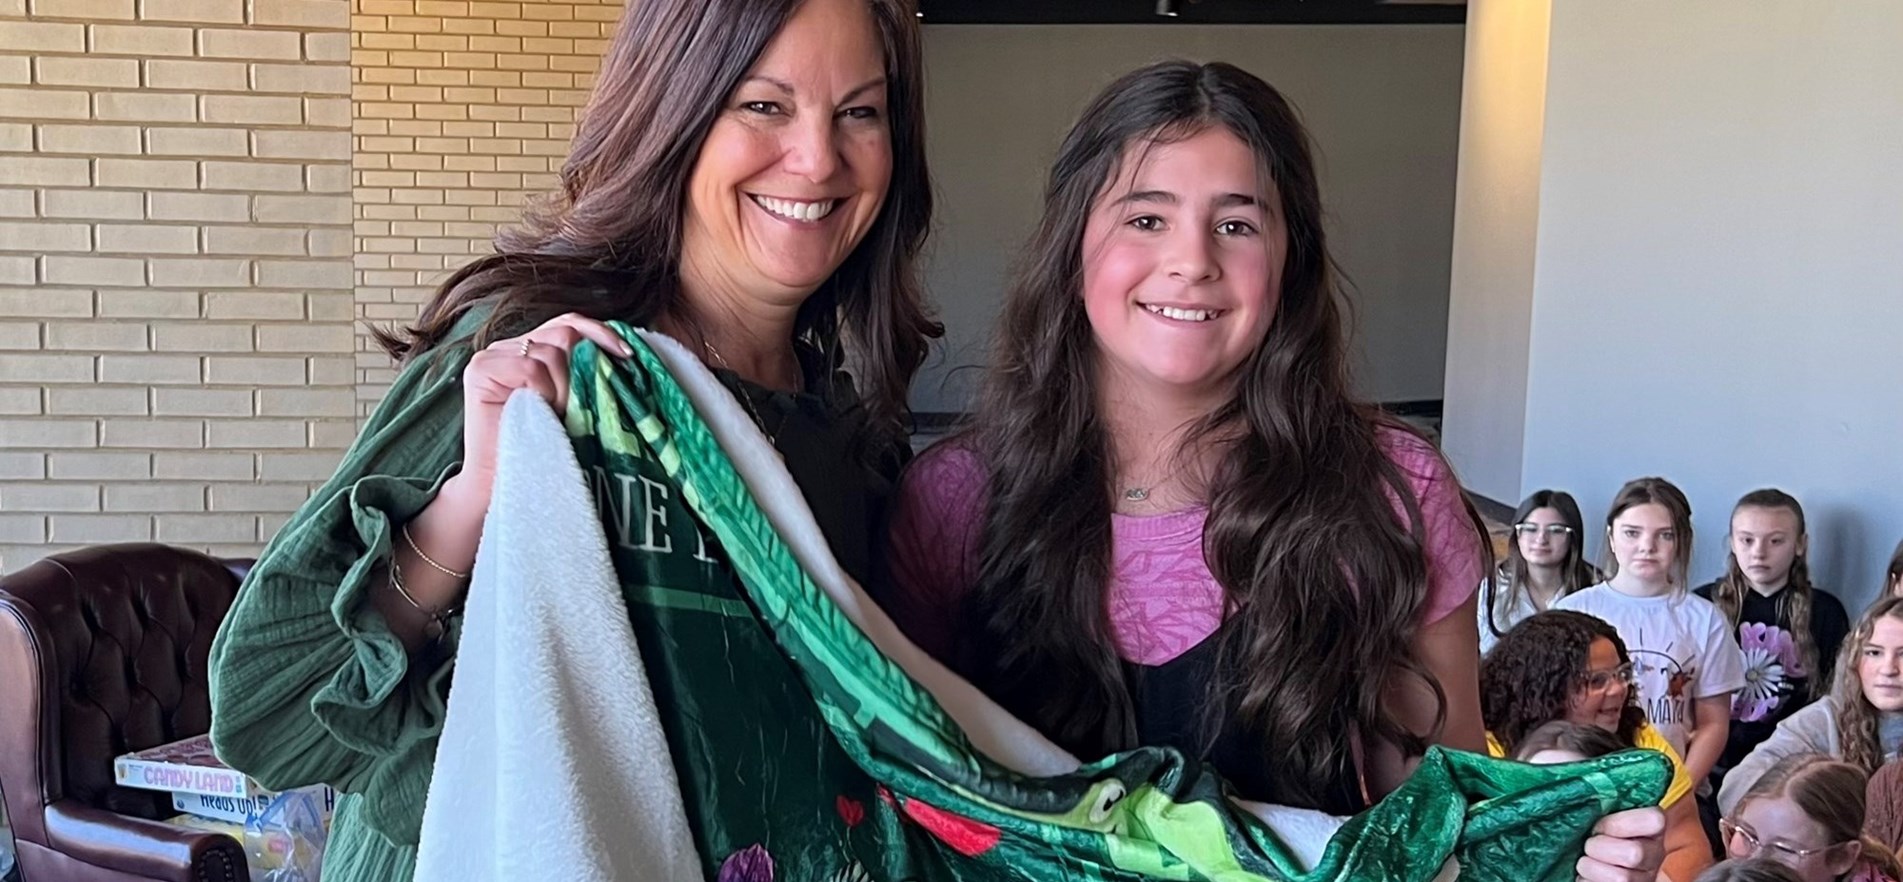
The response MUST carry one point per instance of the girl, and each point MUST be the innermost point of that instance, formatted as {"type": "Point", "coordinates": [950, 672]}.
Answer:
{"type": "Point", "coordinates": [1806, 813]}
{"type": "Point", "coordinates": [1545, 562]}
{"type": "Point", "coordinates": [1169, 523]}
{"type": "Point", "coordinates": [1790, 630]}
{"type": "Point", "coordinates": [1685, 660]}
{"type": "Point", "coordinates": [698, 144]}
{"type": "Point", "coordinates": [1572, 668]}
{"type": "Point", "coordinates": [1893, 579]}
{"type": "Point", "coordinates": [1860, 722]}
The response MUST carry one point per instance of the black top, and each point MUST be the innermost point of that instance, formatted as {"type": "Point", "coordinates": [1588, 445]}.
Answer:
{"type": "Point", "coordinates": [1169, 699]}
{"type": "Point", "coordinates": [1773, 688]}
{"type": "Point", "coordinates": [847, 477]}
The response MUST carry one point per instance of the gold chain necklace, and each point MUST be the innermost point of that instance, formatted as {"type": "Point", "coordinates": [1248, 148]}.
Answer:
{"type": "Point", "coordinates": [746, 399]}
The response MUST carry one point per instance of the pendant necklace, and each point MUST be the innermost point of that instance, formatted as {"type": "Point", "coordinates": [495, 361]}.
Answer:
{"type": "Point", "coordinates": [746, 400]}
{"type": "Point", "coordinates": [1142, 493]}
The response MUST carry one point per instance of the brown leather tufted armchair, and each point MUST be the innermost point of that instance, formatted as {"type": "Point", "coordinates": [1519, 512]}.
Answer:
{"type": "Point", "coordinates": [104, 651]}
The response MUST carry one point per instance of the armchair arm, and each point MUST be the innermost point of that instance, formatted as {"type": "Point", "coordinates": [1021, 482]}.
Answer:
{"type": "Point", "coordinates": [150, 849]}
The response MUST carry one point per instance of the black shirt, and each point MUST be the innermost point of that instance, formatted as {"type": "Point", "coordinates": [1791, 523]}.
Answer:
{"type": "Point", "coordinates": [1773, 687]}
{"type": "Point", "coordinates": [846, 476]}
{"type": "Point", "coordinates": [1169, 699]}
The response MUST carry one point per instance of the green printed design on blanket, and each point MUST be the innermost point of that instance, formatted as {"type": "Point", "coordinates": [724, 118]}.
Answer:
{"type": "Point", "coordinates": [804, 753]}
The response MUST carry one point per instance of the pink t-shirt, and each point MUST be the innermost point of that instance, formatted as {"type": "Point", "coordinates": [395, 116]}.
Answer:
{"type": "Point", "coordinates": [1162, 600]}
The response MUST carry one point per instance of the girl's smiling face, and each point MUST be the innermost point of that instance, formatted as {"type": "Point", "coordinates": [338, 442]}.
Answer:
{"type": "Point", "coordinates": [1182, 263]}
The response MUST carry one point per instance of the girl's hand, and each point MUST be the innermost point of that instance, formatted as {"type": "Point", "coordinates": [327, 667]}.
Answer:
{"type": "Point", "coordinates": [537, 360]}
{"type": "Point", "coordinates": [1626, 846]}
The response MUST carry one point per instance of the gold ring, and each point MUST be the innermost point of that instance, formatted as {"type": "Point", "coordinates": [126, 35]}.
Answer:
{"type": "Point", "coordinates": [524, 351]}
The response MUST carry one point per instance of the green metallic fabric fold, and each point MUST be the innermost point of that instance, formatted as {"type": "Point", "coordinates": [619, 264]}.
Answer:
{"type": "Point", "coordinates": [805, 753]}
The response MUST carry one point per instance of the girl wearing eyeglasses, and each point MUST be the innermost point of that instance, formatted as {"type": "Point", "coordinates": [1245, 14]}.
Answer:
{"type": "Point", "coordinates": [1572, 667]}
{"type": "Point", "coordinates": [1806, 812]}
{"type": "Point", "coordinates": [1860, 722]}
{"type": "Point", "coordinates": [1790, 630]}
{"type": "Point", "coordinates": [1545, 561]}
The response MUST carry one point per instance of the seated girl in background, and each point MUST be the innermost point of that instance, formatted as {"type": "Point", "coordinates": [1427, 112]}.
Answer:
{"type": "Point", "coordinates": [1789, 629]}
{"type": "Point", "coordinates": [1685, 660]}
{"type": "Point", "coordinates": [1806, 813]}
{"type": "Point", "coordinates": [1893, 577]}
{"type": "Point", "coordinates": [1573, 668]}
{"type": "Point", "coordinates": [1860, 722]}
{"type": "Point", "coordinates": [1170, 523]}
{"type": "Point", "coordinates": [1564, 742]}
{"type": "Point", "coordinates": [1545, 561]}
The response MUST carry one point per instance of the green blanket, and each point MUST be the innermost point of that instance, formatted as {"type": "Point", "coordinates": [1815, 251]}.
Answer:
{"type": "Point", "coordinates": [804, 752]}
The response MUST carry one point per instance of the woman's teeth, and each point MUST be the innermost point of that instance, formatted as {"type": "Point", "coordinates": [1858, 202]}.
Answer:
{"type": "Point", "coordinates": [799, 211]}
{"type": "Point", "coordinates": [1183, 315]}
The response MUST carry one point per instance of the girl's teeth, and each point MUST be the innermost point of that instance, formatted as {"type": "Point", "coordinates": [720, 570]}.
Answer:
{"type": "Point", "coordinates": [1182, 315]}
{"type": "Point", "coordinates": [801, 211]}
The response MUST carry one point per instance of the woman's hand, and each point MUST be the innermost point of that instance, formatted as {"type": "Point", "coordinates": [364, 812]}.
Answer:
{"type": "Point", "coordinates": [537, 360]}
{"type": "Point", "coordinates": [1626, 846]}
{"type": "Point", "coordinates": [449, 528]}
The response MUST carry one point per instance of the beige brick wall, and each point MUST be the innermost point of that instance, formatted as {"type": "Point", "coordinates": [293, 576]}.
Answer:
{"type": "Point", "coordinates": [179, 359]}
{"type": "Point", "coordinates": [463, 109]}
{"type": "Point", "coordinates": [175, 282]}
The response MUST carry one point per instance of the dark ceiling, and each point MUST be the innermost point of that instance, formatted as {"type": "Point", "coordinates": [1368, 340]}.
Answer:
{"type": "Point", "coordinates": [1191, 12]}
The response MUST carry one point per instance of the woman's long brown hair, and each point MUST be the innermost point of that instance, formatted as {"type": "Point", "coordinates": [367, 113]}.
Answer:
{"type": "Point", "coordinates": [1323, 581]}
{"type": "Point", "coordinates": [608, 243]}
{"type": "Point", "coordinates": [1730, 591]}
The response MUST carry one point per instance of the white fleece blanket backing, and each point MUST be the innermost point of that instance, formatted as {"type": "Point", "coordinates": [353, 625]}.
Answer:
{"type": "Point", "coordinates": [552, 763]}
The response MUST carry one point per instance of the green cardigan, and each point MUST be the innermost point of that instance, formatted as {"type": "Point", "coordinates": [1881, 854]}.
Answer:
{"type": "Point", "coordinates": [308, 684]}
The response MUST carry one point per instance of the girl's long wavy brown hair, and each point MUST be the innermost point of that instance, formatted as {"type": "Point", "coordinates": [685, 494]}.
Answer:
{"type": "Point", "coordinates": [608, 243]}
{"type": "Point", "coordinates": [1830, 793]}
{"type": "Point", "coordinates": [1529, 678]}
{"type": "Point", "coordinates": [1323, 582]}
{"type": "Point", "coordinates": [1857, 719]}
{"type": "Point", "coordinates": [1730, 591]}
{"type": "Point", "coordinates": [1508, 584]}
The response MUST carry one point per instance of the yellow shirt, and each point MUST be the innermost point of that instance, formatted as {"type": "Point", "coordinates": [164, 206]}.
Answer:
{"type": "Point", "coordinates": [1647, 738]}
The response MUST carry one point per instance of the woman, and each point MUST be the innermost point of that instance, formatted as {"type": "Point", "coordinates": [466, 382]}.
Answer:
{"type": "Point", "coordinates": [1545, 561]}
{"type": "Point", "coordinates": [748, 177]}
{"type": "Point", "coordinates": [1569, 666]}
{"type": "Point", "coordinates": [1860, 722]}
{"type": "Point", "coordinates": [1170, 523]}
{"type": "Point", "coordinates": [1806, 812]}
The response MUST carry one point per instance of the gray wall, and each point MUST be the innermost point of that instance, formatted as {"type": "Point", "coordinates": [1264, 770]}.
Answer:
{"type": "Point", "coordinates": [1382, 103]}
{"type": "Point", "coordinates": [1496, 222]}
{"type": "Point", "coordinates": [1718, 292]}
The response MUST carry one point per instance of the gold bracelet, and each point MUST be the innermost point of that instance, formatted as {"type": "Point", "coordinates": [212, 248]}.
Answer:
{"type": "Point", "coordinates": [438, 619]}
{"type": "Point", "coordinates": [426, 558]}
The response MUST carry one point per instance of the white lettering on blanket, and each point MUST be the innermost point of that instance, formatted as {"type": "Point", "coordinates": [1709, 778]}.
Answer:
{"type": "Point", "coordinates": [615, 498]}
